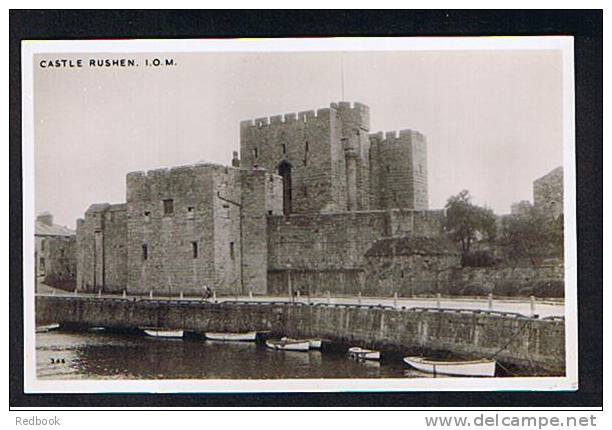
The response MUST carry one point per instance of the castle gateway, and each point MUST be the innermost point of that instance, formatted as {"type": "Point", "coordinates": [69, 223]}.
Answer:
{"type": "Point", "coordinates": [311, 193]}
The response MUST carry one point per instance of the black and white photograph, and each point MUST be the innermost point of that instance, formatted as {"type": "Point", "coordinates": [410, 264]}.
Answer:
{"type": "Point", "coordinates": [299, 215]}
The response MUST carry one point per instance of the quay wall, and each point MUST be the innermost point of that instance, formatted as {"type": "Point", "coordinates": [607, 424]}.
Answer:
{"type": "Point", "coordinates": [531, 344]}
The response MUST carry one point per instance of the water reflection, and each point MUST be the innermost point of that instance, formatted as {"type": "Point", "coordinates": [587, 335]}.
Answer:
{"type": "Point", "coordinates": [101, 355]}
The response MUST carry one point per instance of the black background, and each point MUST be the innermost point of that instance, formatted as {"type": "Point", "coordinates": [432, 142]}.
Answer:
{"type": "Point", "coordinates": [585, 26]}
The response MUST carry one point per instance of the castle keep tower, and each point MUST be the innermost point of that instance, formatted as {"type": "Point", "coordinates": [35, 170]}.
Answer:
{"type": "Point", "coordinates": [308, 150]}
{"type": "Point", "coordinates": [330, 163]}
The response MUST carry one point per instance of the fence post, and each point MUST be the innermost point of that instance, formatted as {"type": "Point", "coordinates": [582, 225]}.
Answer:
{"type": "Point", "coordinates": [438, 300]}
{"type": "Point", "coordinates": [124, 295]}
{"type": "Point", "coordinates": [150, 294]}
{"type": "Point", "coordinates": [214, 296]}
{"type": "Point", "coordinates": [76, 291]}
{"type": "Point", "coordinates": [100, 292]}
{"type": "Point", "coordinates": [532, 306]}
{"type": "Point", "coordinates": [250, 294]}
{"type": "Point", "coordinates": [328, 297]}
{"type": "Point", "coordinates": [359, 298]}
{"type": "Point", "coordinates": [181, 295]}
{"type": "Point", "coordinates": [395, 300]}
{"type": "Point", "coordinates": [490, 301]}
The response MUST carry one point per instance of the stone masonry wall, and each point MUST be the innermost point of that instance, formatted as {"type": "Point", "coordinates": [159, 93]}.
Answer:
{"type": "Point", "coordinates": [60, 261]}
{"type": "Point", "coordinates": [532, 344]}
{"type": "Point", "coordinates": [311, 142]}
{"type": "Point", "coordinates": [101, 249]}
{"type": "Point", "coordinates": [215, 234]}
{"type": "Point", "coordinates": [548, 192]}
{"type": "Point", "coordinates": [170, 265]}
{"type": "Point", "coordinates": [326, 252]}
{"type": "Point", "coordinates": [399, 170]}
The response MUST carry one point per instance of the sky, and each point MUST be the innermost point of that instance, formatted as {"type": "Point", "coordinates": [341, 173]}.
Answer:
{"type": "Point", "coordinates": [493, 119]}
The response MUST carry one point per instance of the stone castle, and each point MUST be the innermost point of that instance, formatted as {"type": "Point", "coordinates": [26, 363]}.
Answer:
{"type": "Point", "coordinates": [312, 196]}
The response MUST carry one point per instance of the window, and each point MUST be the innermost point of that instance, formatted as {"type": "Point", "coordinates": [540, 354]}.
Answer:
{"type": "Point", "coordinates": [190, 212]}
{"type": "Point", "coordinates": [284, 148]}
{"type": "Point", "coordinates": [42, 245]}
{"type": "Point", "coordinates": [145, 252]}
{"type": "Point", "coordinates": [194, 249]}
{"type": "Point", "coordinates": [255, 152]}
{"type": "Point", "coordinates": [147, 216]}
{"type": "Point", "coordinates": [232, 250]}
{"type": "Point", "coordinates": [168, 207]}
{"type": "Point", "coordinates": [306, 146]}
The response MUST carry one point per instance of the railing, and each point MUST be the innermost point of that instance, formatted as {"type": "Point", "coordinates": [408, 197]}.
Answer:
{"type": "Point", "coordinates": [190, 301]}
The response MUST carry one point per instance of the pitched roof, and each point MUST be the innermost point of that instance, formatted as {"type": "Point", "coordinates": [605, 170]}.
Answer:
{"type": "Point", "coordinates": [407, 246]}
{"type": "Point", "coordinates": [43, 229]}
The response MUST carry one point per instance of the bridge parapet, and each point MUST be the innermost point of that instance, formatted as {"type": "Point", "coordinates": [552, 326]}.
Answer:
{"type": "Point", "coordinates": [527, 343]}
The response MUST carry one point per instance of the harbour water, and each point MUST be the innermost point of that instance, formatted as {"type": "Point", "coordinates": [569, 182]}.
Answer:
{"type": "Point", "coordinates": [100, 355]}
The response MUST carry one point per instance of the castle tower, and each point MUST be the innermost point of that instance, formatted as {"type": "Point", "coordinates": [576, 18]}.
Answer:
{"type": "Point", "coordinates": [399, 170]}
{"type": "Point", "coordinates": [307, 150]}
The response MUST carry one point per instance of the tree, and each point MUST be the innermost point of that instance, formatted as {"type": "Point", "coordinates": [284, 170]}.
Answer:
{"type": "Point", "coordinates": [533, 235]}
{"type": "Point", "coordinates": [466, 222]}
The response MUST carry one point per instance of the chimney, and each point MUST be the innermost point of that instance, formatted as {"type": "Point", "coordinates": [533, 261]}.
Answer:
{"type": "Point", "coordinates": [235, 159]}
{"type": "Point", "coordinates": [45, 218]}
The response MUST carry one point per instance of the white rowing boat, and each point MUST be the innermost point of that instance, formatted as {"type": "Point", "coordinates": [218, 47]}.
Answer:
{"type": "Point", "coordinates": [46, 328]}
{"type": "Point", "coordinates": [363, 354]}
{"type": "Point", "coordinates": [163, 333]}
{"type": "Point", "coordinates": [244, 337]}
{"type": "Point", "coordinates": [483, 367]}
{"type": "Point", "coordinates": [288, 345]}
{"type": "Point", "coordinates": [313, 343]}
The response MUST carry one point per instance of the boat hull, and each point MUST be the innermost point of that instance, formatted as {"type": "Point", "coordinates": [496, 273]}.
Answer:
{"type": "Point", "coordinates": [171, 334]}
{"type": "Point", "coordinates": [363, 354]}
{"type": "Point", "coordinates": [288, 345]}
{"type": "Point", "coordinates": [233, 337]}
{"type": "Point", "coordinates": [315, 343]}
{"type": "Point", "coordinates": [312, 343]}
{"type": "Point", "coordinates": [457, 368]}
{"type": "Point", "coordinates": [47, 328]}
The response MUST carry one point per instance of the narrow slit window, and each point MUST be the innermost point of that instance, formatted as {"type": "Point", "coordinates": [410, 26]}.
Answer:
{"type": "Point", "coordinates": [232, 252]}
{"type": "Point", "coordinates": [284, 148]}
{"type": "Point", "coordinates": [194, 249]}
{"type": "Point", "coordinates": [255, 152]}
{"type": "Point", "coordinates": [145, 252]}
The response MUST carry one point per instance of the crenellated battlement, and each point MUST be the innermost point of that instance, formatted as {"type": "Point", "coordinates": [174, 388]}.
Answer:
{"type": "Point", "coordinates": [405, 135]}
{"type": "Point", "coordinates": [187, 168]}
{"type": "Point", "coordinates": [355, 109]}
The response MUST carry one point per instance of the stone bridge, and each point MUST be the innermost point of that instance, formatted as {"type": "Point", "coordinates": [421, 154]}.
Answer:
{"type": "Point", "coordinates": [529, 345]}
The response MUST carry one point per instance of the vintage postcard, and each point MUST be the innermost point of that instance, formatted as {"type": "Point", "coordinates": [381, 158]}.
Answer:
{"type": "Point", "coordinates": [270, 215]}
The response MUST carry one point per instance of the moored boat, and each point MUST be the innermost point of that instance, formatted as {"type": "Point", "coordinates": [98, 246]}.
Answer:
{"type": "Point", "coordinates": [243, 337]}
{"type": "Point", "coordinates": [154, 332]}
{"type": "Point", "coordinates": [288, 344]}
{"type": "Point", "coordinates": [363, 354]}
{"type": "Point", "coordinates": [483, 367]}
{"type": "Point", "coordinates": [313, 343]}
{"type": "Point", "coordinates": [46, 328]}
